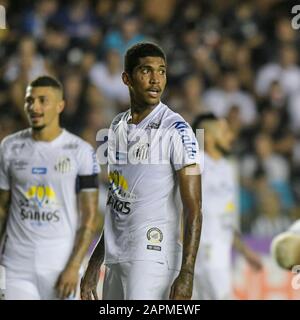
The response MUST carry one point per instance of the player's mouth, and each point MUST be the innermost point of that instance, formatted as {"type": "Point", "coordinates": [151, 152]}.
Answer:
{"type": "Point", "coordinates": [36, 117]}
{"type": "Point", "coordinates": [154, 92]}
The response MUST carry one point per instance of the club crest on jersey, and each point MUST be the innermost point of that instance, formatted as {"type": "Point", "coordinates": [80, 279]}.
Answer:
{"type": "Point", "coordinates": [63, 165]}
{"type": "Point", "coordinates": [141, 151]}
{"type": "Point", "coordinates": [154, 236]}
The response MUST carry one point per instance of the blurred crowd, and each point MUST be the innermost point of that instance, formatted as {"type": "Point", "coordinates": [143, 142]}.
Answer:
{"type": "Point", "coordinates": [239, 59]}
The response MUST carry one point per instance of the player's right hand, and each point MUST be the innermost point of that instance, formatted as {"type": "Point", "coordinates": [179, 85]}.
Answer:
{"type": "Point", "coordinates": [89, 282]}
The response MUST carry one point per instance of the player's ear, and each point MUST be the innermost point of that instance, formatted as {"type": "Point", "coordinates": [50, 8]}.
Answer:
{"type": "Point", "coordinates": [60, 106]}
{"type": "Point", "coordinates": [126, 79]}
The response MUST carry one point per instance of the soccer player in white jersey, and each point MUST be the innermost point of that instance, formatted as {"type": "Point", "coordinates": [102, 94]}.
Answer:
{"type": "Point", "coordinates": [48, 200]}
{"type": "Point", "coordinates": [285, 247]}
{"type": "Point", "coordinates": [219, 231]}
{"type": "Point", "coordinates": [143, 254]}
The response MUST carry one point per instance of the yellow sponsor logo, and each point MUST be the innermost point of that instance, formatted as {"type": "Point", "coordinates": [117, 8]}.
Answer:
{"type": "Point", "coordinates": [117, 181]}
{"type": "Point", "coordinates": [42, 195]}
{"type": "Point", "coordinates": [230, 207]}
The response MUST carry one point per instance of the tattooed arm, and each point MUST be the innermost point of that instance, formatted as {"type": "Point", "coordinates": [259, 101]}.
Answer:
{"type": "Point", "coordinates": [88, 287]}
{"type": "Point", "coordinates": [4, 206]}
{"type": "Point", "coordinates": [67, 282]}
{"type": "Point", "coordinates": [190, 190]}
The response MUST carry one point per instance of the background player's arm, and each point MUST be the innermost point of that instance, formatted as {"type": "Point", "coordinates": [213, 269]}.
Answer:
{"type": "Point", "coordinates": [4, 206]}
{"type": "Point", "coordinates": [190, 190]}
{"type": "Point", "coordinates": [252, 257]}
{"type": "Point", "coordinates": [88, 287]}
{"type": "Point", "coordinates": [67, 281]}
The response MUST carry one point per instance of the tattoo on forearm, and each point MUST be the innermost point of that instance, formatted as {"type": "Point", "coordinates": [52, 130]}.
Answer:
{"type": "Point", "coordinates": [88, 206]}
{"type": "Point", "coordinates": [192, 233]}
{"type": "Point", "coordinates": [83, 240]}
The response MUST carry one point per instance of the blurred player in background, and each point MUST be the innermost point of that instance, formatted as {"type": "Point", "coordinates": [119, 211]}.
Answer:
{"type": "Point", "coordinates": [143, 254]}
{"type": "Point", "coordinates": [219, 193]}
{"type": "Point", "coordinates": [285, 247]}
{"type": "Point", "coordinates": [45, 225]}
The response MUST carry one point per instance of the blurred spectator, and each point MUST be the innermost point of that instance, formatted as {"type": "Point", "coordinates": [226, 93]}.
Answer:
{"type": "Point", "coordinates": [270, 220]}
{"type": "Point", "coordinates": [124, 37]}
{"type": "Point", "coordinates": [26, 63]}
{"type": "Point", "coordinates": [286, 71]}
{"type": "Point", "coordinates": [275, 166]}
{"type": "Point", "coordinates": [220, 99]}
{"type": "Point", "coordinates": [77, 19]}
{"type": "Point", "coordinates": [55, 45]}
{"type": "Point", "coordinates": [106, 76]}
{"type": "Point", "coordinates": [35, 19]}
{"type": "Point", "coordinates": [192, 103]}
{"type": "Point", "coordinates": [75, 101]}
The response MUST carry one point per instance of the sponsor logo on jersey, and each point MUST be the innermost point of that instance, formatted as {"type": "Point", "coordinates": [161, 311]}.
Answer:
{"type": "Point", "coordinates": [39, 170]}
{"type": "Point", "coordinates": [20, 165]}
{"type": "Point", "coordinates": [63, 165]}
{"type": "Point", "coordinates": [40, 205]}
{"type": "Point", "coordinates": [186, 135]}
{"type": "Point", "coordinates": [153, 125]}
{"type": "Point", "coordinates": [41, 195]}
{"type": "Point", "coordinates": [154, 236]}
{"type": "Point", "coordinates": [118, 205]}
{"type": "Point", "coordinates": [119, 198]}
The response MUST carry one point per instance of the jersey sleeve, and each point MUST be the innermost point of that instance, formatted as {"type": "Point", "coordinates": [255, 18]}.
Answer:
{"type": "Point", "coordinates": [184, 149]}
{"type": "Point", "coordinates": [4, 172]}
{"type": "Point", "coordinates": [87, 161]}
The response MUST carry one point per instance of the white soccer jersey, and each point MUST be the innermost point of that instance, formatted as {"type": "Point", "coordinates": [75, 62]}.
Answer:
{"type": "Point", "coordinates": [219, 206]}
{"type": "Point", "coordinates": [43, 215]}
{"type": "Point", "coordinates": [142, 219]}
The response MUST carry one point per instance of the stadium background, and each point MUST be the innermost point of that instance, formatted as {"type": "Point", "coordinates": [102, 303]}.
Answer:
{"type": "Point", "coordinates": [239, 59]}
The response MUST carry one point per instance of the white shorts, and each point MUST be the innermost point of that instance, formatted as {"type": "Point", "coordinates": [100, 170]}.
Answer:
{"type": "Point", "coordinates": [138, 280]}
{"type": "Point", "coordinates": [212, 284]}
{"type": "Point", "coordinates": [26, 285]}
{"type": "Point", "coordinates": [32, 285]}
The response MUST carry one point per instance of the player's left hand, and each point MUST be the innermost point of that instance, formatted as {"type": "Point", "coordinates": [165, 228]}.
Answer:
{"type": "Point", "coordinates": [67, 282]}
{"type": "Point", "coordinates": [254, 260]}
{"type": "Point", "coordinates": [182, 287]}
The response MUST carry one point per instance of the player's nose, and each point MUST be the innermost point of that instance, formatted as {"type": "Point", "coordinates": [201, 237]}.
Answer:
{"type": "Point", "coordinates": [154, 79]}
{"type": "Point", "coordinates": [35, 106]}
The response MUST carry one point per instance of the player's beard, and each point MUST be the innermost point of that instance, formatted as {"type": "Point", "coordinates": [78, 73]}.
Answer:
{"type": "Point", "coordinates": [224, 152]}
{"type": "Point", "coordinates": [38, 128]}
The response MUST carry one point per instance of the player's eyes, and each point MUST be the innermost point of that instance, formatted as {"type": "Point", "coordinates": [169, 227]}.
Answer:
{"type": "Point", "coordinates": [162, 72]}
{"type": "Point", "coordinates": [145, 71]}
{"type": "Point", "coordinates": [29, 101]}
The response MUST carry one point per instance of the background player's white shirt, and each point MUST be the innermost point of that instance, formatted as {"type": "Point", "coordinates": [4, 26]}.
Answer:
{"type": "Point", "coordinates": [43, 215]}
{"type": "Point", "coordinates": [219, 208]}
{"type": "Point", "coordinates": [295, 227]}
{"type": "Point", "coordinates": [142, 219]}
